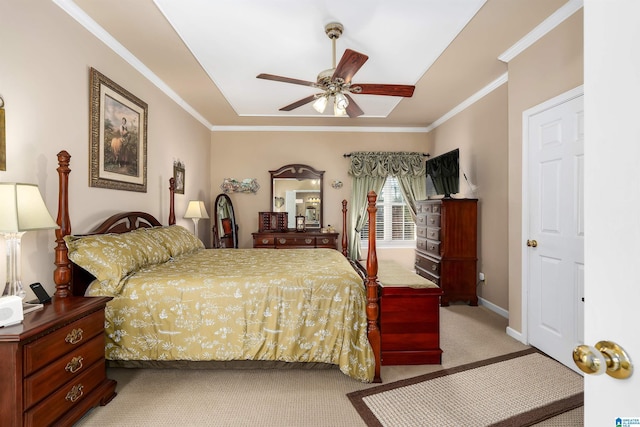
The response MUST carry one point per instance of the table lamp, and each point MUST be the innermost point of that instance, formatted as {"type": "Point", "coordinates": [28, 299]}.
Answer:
{"type": "Point", "coordinates": [196, 210]}
{"type": "Point", "coordinates": [22, 209]}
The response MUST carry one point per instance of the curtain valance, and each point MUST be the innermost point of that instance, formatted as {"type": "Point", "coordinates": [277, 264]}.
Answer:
{"type": "Point", "coordinates": [386, 163]}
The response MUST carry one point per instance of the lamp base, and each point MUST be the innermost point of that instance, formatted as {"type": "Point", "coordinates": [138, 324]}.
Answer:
{"type": "Point", "coordinates": [13, 285]}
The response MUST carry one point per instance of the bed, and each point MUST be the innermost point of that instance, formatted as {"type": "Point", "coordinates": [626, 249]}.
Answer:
{"type": "Point", "coordinates": [175, 302]}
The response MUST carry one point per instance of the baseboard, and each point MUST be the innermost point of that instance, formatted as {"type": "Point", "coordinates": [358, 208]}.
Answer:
{"type": "Point", "coordinates": [491, 306]}
{"type": "Point", "coordinates": [516, 335]}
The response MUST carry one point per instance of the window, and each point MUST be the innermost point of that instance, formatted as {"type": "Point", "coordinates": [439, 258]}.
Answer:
{"type": "Point", "coordinates": [394, 225]}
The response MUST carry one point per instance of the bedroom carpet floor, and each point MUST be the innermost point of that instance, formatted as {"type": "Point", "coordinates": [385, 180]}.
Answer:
{"type": "Point", "coordinates": [290, 397]}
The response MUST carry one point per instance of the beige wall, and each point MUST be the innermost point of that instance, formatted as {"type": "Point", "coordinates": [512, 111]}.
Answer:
{"type": "Point", "coordinates": [253, 154]}
{"type": "Point", "coordinates": [44, 80]}
{"type": "Point", "coordinates": [480, 132]}
{"type": "Point", "coordinates": [548, 68]}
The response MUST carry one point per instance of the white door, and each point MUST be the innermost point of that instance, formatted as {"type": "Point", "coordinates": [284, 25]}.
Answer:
{"type": "Point", "coordinates": [556, 225]}
{"type": "Point", "coordinates": [612, 201]}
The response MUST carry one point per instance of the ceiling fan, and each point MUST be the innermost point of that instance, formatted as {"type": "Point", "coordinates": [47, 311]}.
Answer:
{"type": "Point", "coordinates": [336, 82]}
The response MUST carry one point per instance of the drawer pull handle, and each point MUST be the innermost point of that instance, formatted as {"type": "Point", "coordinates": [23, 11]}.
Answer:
{"type": "Point", "coordinates": [431, 247]}
{"type": "Point", "coordinates": [75, 393]}
{"type": "Point", "coordinates": [432, 220]}
{"type": "Point", "coordinates": [74, 365]}
{"type": "Point", "coordinates": [325, 241]}
{"type": "Point", "coordinates": [283, 241]}
{"type": "Point", "coordinates": [265, 241]}
{"type": "Point", "coordinates": [434, 267]}
{"type": "Point", "coordinates": [307, 241]}
{"type": "Point", "coordinates": [74, 337]}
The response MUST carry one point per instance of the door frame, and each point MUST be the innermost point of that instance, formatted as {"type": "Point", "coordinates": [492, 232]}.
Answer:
{"type": "Point", "coordinates": [550, 103]}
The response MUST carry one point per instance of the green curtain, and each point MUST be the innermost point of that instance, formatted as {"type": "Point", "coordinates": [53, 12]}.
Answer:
{"type": "Point", "coordinates": [370, 170]}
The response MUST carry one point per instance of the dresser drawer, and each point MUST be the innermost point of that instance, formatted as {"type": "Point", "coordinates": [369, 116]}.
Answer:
{"type": "Point", "coordinates": [433, 247]}
{"type": "Point", "coordinates": [428, 264]}
{"type": "Point", "coordinates": [421, 244]}
{"type": "Point", "coordinates": [306, 242]}
{"type": "Point", "coordinates": [432, 233]}
{"type": "Point", "coordinates": [326, 242]}
{"type": "Point", "coordinates": [64, 399]}
{"type": "Point", "coordinates": [421, 220]}
{"type": "Point", "coordinates": [422, 208]}
{"type": "Point", "coordinates": [433, 220]}
{"type": "Point", "coordinates": [436, 208]}
{"type": "Point", "coordinates": [427, 275]}
{"type": "Point", "coordinates": [68, 367]}
{"type": "Point", "coordinates": [421, 232]}
{"type": "Point", "coordinates": [50, 347]}
{"type": "Point", "coordinates": [264, 242]}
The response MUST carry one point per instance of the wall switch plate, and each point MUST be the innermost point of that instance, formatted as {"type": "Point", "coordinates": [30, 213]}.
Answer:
{"type": "Point", "coordinates": [481, 277]}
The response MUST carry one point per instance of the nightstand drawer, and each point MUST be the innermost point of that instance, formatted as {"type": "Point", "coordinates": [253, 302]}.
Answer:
{"type": "Point", "coordinates": [39, 385]}
{"type": "Point", "coordinates": [64, 399]}
{"type": "Point", "coordinates": [69, 337]}
{"type": "Point", "coordinates": [433, 247]}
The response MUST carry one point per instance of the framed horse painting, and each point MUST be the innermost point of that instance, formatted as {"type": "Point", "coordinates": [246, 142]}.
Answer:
{"type": "Point", "coordinates": [118, 142]}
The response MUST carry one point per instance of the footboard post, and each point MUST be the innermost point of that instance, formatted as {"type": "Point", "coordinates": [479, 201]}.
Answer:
{"type": "Point", "coordinates": [373, 308]}
{"type": "Point", "coordinates": [172, 192]}
{"type": "Point", "coordinates": [62, 272]}
{"type": "Point", "coordinates": [344, 228]}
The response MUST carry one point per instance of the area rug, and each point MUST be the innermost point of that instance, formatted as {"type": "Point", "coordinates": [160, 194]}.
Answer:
{"type": "Point", "coordinates": [516, 389]}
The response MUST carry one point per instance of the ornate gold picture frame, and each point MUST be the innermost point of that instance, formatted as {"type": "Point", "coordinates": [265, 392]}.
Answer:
{"type": "Point", "coordinates": [118, 142]}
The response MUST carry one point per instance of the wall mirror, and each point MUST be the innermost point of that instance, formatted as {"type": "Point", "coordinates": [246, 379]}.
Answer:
{"type": "Point", "coordinates": [225, 229]}
{"type": "Point", "coordinates": [297, 190]}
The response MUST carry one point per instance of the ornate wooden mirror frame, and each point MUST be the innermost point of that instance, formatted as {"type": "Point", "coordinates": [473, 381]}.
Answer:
{"type": "Point", "coordinates": [225, 229]}
{"type": "Point", "coordinates": [298, 189]}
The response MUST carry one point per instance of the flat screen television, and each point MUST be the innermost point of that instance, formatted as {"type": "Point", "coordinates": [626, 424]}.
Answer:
{"type": "Point", "coordinates": [443, 174]}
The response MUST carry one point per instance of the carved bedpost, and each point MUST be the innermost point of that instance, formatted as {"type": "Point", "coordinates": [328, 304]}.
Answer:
{"type": "Point", "coordinates": [373, 310]}
{"type": "Point", "coordinates": [62, 272]}
{"type": "Point", "coordinates": [344, 228]}
{"type": "Point", "coordinates": [172, 192]}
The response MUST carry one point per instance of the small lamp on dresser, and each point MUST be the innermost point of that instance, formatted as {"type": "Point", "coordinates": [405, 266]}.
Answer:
{"type": "Point", "coordinates": [196, 211]}
{"type": "Point", "coordinates": [22, 209]}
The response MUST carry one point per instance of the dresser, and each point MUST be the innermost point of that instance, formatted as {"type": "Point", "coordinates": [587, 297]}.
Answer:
{"type": "Point", "coordinates": [447, 246]}
{"type": "Point", "coordinates": [295, 240]}
{"type": "Point", "coordinates": [53, 368]}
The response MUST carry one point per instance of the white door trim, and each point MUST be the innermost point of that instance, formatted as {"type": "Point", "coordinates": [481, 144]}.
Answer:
{"type": "Point", "coordinates": [553, 102]}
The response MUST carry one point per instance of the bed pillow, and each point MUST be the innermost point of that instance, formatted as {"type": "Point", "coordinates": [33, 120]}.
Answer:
{"type": "Point", "coordinates": [176, 239]}
{"type": "Point", "coordinates": [107, 256]}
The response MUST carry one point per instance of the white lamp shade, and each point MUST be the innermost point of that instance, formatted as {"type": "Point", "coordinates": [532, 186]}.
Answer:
{"type": "Point", "coordinates": [22, 209]}
{"type": "Point", "coordinates": [341, 101]}
{"type": "Point", "coordinates": [320, 104]}
{"type": "Point", "coordinates": [196, 209]}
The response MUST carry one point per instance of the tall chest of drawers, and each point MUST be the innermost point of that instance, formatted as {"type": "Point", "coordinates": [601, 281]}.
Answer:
{"type": "Point", "coordinates": [446, 247]}
{"type": "Point", "coordinates": [53, 367]}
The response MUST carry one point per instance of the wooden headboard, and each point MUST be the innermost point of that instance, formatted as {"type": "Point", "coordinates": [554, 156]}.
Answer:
{"type": "Point", "coordinates": [68, 277]}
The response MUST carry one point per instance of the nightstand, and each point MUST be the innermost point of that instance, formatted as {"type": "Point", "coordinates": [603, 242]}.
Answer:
{"type": "Point", "coordinates": [53, 368]}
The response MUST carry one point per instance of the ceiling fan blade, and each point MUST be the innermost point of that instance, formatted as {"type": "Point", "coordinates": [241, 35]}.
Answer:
{"type": "Point", "coordinates": [299, 103]}
{"type": "Point", "coordinates": [349, 65]}
{"type": "Point", "coordinates": [285, 79]}
{"type": "Point", "coordinates": [388, 90]}
{"type": "Point", "coordinates": [353, 110]}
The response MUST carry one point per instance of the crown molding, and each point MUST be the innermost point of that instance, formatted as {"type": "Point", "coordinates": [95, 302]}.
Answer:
{"type": "Point", "coordinates": [555, 19]}
{"type": "Point", "coordinates": [319, 129]}
{"type": "Point", "coordinates": [470, 101]}
{"type": "Point", "coordinates": [94, 28]}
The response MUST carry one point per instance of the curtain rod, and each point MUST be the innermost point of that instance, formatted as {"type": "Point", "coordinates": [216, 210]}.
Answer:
{"type": "Point", "coordinates": [349, 155]}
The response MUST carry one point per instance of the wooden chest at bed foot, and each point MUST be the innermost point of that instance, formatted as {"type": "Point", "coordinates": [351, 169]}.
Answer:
{"type": "Point", "coordinates": [53, 368]}
{"type": "Point", "coordinates": [410, 326]}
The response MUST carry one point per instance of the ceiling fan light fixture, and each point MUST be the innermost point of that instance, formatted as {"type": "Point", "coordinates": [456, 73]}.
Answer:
{"type": "Point", "coordinates": [341, 101]}
{"type": "Point", "coordinates": [320, 104]}
{"type": "Point", "coordinates": [337, 111]}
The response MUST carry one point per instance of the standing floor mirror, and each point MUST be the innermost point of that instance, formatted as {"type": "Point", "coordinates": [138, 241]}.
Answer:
{"type": "Point", "coordinates": [225, 229]}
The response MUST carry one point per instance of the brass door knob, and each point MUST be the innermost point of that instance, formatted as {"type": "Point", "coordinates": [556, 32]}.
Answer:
{"type": "Point", "coordinates": [532, 243]}
{"type": "Point", "coordinates": [606, 356]}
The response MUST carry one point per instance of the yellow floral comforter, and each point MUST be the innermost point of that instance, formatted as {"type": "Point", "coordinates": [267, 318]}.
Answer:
{"type": "Point", "coordinates": [294, 305]}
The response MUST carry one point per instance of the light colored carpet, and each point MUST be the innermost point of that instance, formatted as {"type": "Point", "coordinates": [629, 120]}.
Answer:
{"type": "Point", "coordinates": [535, 386]}
{"type": "Point", "coordinates": [291, 397]}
